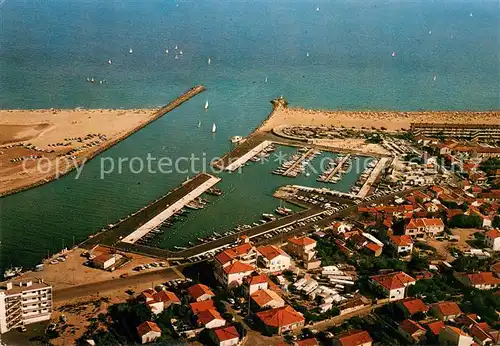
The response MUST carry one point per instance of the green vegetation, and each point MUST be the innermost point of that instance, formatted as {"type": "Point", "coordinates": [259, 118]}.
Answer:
{"type": "Point", "coordinates": [433, 290]}
{"type": "Point", "coordinates": [490, 165]}
{"type": "Point", "coordinates": [329, 252]}
{"type": "Point", "coordinates": [496, 222]}
{"type": "Point", "coordinates": [465, 221]}
{"type": "Point", "coordinates": [470, 264]}
{"type": "Point", "coordinates": [484, 303]}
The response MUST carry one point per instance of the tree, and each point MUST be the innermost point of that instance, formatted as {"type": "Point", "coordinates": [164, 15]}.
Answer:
{"type": "Point", "coordinates": [418, 263]}
{"type": "Point", "coordinates": [465, 221]}
{"type": "Point", "coordinates": [496, 222]}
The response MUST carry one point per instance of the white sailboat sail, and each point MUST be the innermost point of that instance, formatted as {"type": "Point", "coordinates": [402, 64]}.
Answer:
{"type": "Point", "coordinates": [206, 105]}
{"type": "Point", "coordinates": [199, 123]}
{"type": "Point", "coordinates": [209, 61]}
{"type": "Point", "coordinates": [214, 128]}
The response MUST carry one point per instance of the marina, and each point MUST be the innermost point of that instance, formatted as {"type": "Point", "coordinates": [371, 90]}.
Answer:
{"type": "Point", "coordinates": [365, 189]}
{"type": "Point", "coordinates": [337, 167]}
{"type": "Point", "coordinates": [297, 163]}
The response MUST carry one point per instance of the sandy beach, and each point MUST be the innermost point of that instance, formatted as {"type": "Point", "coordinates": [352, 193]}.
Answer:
{"type": "Point", "coordinates": [391, 120]}
{"type": "Point", "coordinates": [38, 146]}
{"type": "Point", "coordinates": [33, 140]}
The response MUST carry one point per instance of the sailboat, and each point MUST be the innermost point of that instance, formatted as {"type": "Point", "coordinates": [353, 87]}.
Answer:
{"type": "Point", "coordinates": [317, 9]}
{"type": "Point", "coordinates": [180, 52]}
{"type": "Point", "coordinates": [214, 128]}
{"type": "Point", "coordinates": [109, 61]}
{"type": "Point", "coordinates": [175, 47]}
{"type": "Point", "coordinates": [199, 123]}
{"type": "Point", "coordinates": [307, 54]}
{"type": "Point", "coordinates": [430, 32]}
{"type": "Point", "coordinates": [209, 61]}
{"type": "Point", "coordinates": [206, 105]}
{"type": "Point", "coordinates": [176, 57]}
{"type": "Point", "coordinates": [166, 51]}
{"type": "Point", "coordinates": [130, 51]}
{"type": "Point", "coordinates": [265, 80]}
{"type": "Point", "coordinates": [393, 54]}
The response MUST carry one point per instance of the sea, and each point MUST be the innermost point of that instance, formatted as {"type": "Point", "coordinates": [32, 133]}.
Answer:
{"type": "Point", "coordinates": [395, 54]}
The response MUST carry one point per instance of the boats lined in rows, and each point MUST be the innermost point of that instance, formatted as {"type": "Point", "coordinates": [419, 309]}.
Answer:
{"type": "Point", "coordinates": [297, 163]}
{"type": "Point", "coordinates": [336, 169]}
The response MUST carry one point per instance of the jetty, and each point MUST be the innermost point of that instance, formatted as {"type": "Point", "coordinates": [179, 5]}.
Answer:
{"type": "Point", "coordinates": [240, 161]}
{"type": "Point", "coordinates": [373, 177]}
{"type": "Point", "coordinates": [181, 195]}
{"type": "Point", "coordinates": [170, 210]}
{"type": "Point", "coordinates": [291, 171]}
{"type": "Point", "coordinates": [335, 170]}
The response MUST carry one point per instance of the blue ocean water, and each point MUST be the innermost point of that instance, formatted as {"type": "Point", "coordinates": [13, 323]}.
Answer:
{"type": "Point", "coordinates": [48, 49]}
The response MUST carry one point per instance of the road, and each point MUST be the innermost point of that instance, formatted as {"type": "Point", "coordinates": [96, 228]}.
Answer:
{"type": "Point", "coordinates": [157, 276]}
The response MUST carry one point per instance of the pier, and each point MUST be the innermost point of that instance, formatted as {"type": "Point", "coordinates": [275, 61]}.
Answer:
{"type": "Point", "coordinates": [290, 171]}
{"type": "Point", "coordinates": [170, 210]}
{"type": "Point", "coordinates": [336, 169]}
{"type": "Point", "coordinates": [124, 228]}
{"type": "Point", "coordinates": [247, 156]}
{"type": "Point", "coordinates": [239, 153]}
{"type": "Point", "coordinates": [373, 176]}
{"type": "Point", "coordinates": [325, 190]}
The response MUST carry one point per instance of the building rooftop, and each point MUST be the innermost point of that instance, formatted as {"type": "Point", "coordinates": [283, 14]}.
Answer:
{"type": "Point", "coordinates": [198, 290]}
{"type": "Point", "coordinates": [401, 240]}
{"type": "Point", "coordinates": [447, 308]}
{"type": "Point", "coordinates": [280, 317]}
{"type": "Point", "coordinates": [411, 327]}
{"type": "Point", "coordinates": [197, 307]}
{"type": "Point", "coordinates": [435, 327]}
{"type": "Point", "coordinates": [226, 333]}
{"type": "Point", "coordinates": [21, 286]}
{"type": "Point", "coordinates": [264, 296]}
{"type": "Point", "coordinates": [302, 241]}
{"type": "Point", "coordinates": [394, 280]}
{"type": "Point", "coordinates": [147, 327]}
{"type": "Point", "coordinates": [238, 267]}
{"type": "Point", "coordinates": [354, 338]}
{"type": "Point", "coordinates": [270, 251]}
{"type": "Point", "coordinates": [207, 316]}
{"type": "Point", "coordinates": [414, 305]}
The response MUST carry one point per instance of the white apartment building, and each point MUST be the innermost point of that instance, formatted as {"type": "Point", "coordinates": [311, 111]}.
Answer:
{"type": "Point", "coordinates": [22, 303]}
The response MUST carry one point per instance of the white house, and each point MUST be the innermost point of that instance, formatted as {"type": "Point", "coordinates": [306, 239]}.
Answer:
{"type": "Point", "coordinates": [148, 332]}
{"type": "Point", "coordinates": [393, 284]}
{"type": "Point", "coordinates": [402, 243]}
{"type": "Point", "coordinates": [422, 227]}
{"type": "Point", "coordinates": [210, 319]}
{"type": "Point", "coordinates": [200, 292]}
{"type": "Point", "coordinates": [492, 239]}
{"type": "Point", "coordinates": [233, 274]}
{"type": "Point", "coordinates": [256, 282]}
{"type": "Point", "coordinates": [302, 248]}
{"type": "Point", "coordinates": [454, 336]}
{"type": "Point", "coordinates": [273, 259]}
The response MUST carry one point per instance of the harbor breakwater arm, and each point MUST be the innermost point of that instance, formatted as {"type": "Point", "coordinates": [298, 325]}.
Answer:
{"type": "Point", "coordinates": [186, 96]}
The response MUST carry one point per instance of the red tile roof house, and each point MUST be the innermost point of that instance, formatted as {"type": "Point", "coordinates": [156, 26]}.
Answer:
{"type": "Point", "coordinates": [302, 248]}
{"type": "Point", "coordinates": [450, 335]}
{"type": "Point", "coordinates": [421, 228]}
{"type": "Point", "coordinates": [353, 338]}
{"type": "Point", "coordinates": [446, 310]}
{"type": "Point", "coordinates": [148, 332]}
{"type": "Point", "coordinates": [210, 319]}
{"type": "Point", "coordinates": [159, 301]}
{"type": "Point", "coordinates": [245, 255]}
{"type": "Point", "coordinates": [393, 285]}
{"type": "Point", "coordinates": [262, 299]}
{"type": "Point", "coordinates": [200, 292]}
{"type": "Point", "coordinates": [280, 320]}
{"type": "Point", "coordinates": [434, 328]}
{"type": "Point", "coordinates": [254, 283]}
{"type": "Point", "coordinates": [273, 259]}
{"type": "Point", "coordinates": [403, 244]}
{"type": "Point", "coordinates": [480, 280]}
{"type": "Point", "coordinates": [233, 275]}
{"type": "Point", "coordinates": [411, 331]}
{"type": "Point", "coordinates": [413, 306]}
{"type": "Point", "coordinates": [198, 307]}
{"type": "Point", "coordinates": [492, 239]}
{"type": "Point", "coordinates": [225, 336]}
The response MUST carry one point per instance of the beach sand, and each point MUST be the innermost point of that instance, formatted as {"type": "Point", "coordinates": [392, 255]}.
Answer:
{"type": "Point", "coordinates": [59, 131]}
{"type": "Point", "coordinates": [391, 120]}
